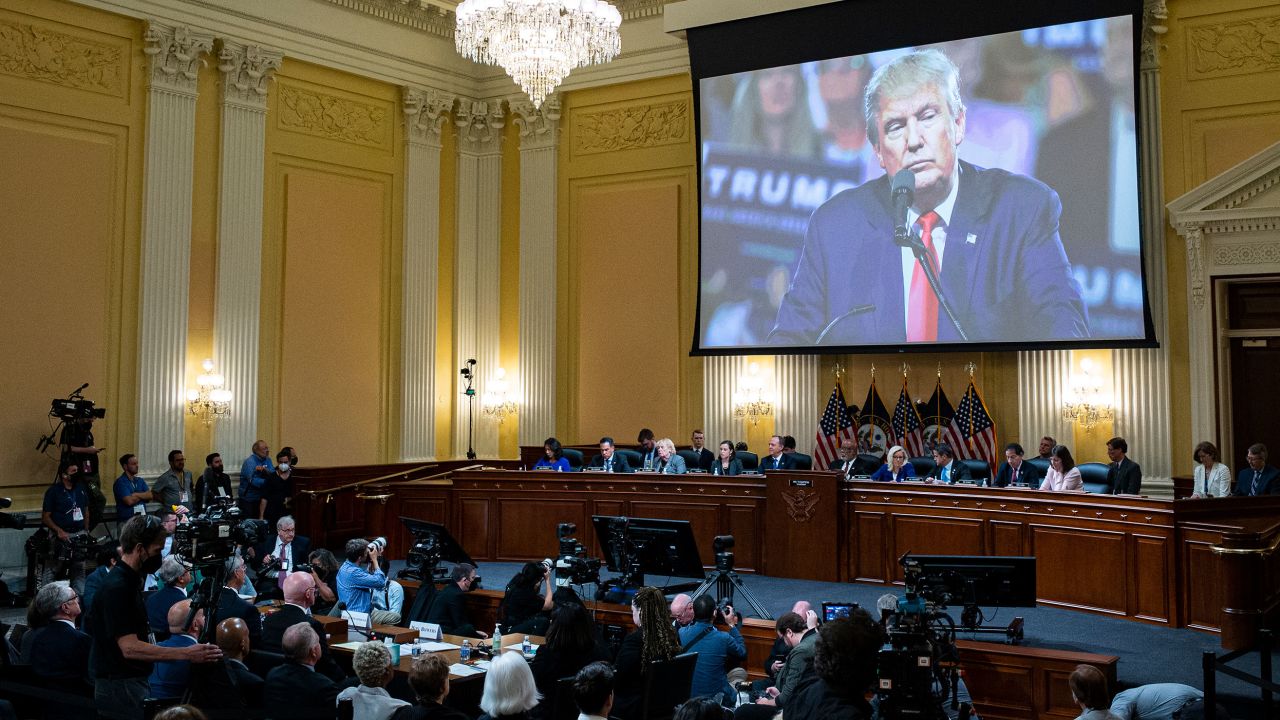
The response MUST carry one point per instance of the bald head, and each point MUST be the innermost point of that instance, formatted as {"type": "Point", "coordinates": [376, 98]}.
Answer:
{"type": "Point", "coordinates": [682, 609]}
{"type": "Point", "coordinates": [801, 607]}
{"type": "Point", "coordinates": [297, 589]}
{"type": "Point", "coordinates": [177, 618]}
{"type": "Point", "coordinates": [233, 638]}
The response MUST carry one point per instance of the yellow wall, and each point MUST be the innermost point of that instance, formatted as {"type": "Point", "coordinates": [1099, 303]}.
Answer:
{"type": "Point", "coordinates": [72, 113]}
{"type": "Point", "coordinates": [509, 289]}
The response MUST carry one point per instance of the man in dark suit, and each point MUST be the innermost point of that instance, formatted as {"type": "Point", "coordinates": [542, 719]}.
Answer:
{"type": "Point", "coordinates": [1015, 470]}
{"type": "Point", "coordinates": [230, 604]}
{"type": "Point", "coordinates": [448, 608]}
{"type": "Point", "coordinates": [172, 678]}
{"type": "Point", "coordinates": [233, 637]}
{"type": "Point", "coordinates": [1259, 478]}
{"type": "Point", "coordinates": [777, 459]}
{"type": "Point", "coordinates": [176, 577]}
{"type": "Point", "coordinates": [277, 555]}
{"type": "Point", "coordinates": [299, 594]}
{"type": "Point", "coordinates": [608, 460]}
{"type": "Point", "coordinates": [295, 689]}
{"type": "Point", "coordinates": [1123, 475]}
{"type": "Point", "coordinates": [993, 234]}
{"type": "Point", "coordinates": [705, 456]}
{"type": "Point", "coordinates": [57, 650]}
{"type": "Point", "coordinates": [945, 468]}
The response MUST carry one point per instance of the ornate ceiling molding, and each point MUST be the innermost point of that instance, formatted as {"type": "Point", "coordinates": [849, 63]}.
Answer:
{"type": "Point", "coordinates": [437, 18]}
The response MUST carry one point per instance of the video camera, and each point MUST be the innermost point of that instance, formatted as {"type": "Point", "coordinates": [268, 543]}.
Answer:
{"type": "Point", "coordinates": [11, 521]}
{"type": "Point", "coordinates": [572, 565]}
{"type": "Point", "coordinates": [212, 537]}
{"type": "Point", "coordinates": [75, 408]}
{"type": "Point", "coordinates": [918, 670]}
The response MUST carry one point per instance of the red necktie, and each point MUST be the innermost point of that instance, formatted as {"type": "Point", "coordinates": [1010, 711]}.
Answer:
{"type": "Point", "coordinates": [922, 320]}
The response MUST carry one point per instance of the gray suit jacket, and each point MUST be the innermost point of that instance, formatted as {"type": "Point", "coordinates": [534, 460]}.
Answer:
{"type": "Point", "coordinates": [674, 466]}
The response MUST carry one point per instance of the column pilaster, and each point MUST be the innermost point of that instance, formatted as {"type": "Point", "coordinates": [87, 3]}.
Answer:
{"type": "Point", "coordinates": [797, 413]}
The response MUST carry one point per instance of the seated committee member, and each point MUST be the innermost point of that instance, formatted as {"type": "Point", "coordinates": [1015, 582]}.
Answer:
{"type": "Point", "coordinates": [726, 462]}
{"type": "Point", "coordinates": [1212, 477]}
{"type": "Point", "coordinates": [945, 469]}
{"type": "Point", "coordinates": [669, 463]}
{"type": "Point", "coordinates": [897, 469]}
{"type": "Point", "coordinates": [648, 455]}
{"type": "Point", "coordinates": [1062, 474]}
{"type": "Point", "coordinates": [705, 456]}
{"type": "Point", "coordinates": [130, 490]}
{"type": "Point", "coordinates": [994, 234]}
{"type": "Point", "coordinates": [609, 460]}
{"type": "Point", "coordinates": [777, 459]}
{"type": "Point", "coordinates": [359, 577]}
{"type": "Point", "coordinates": [1047, 444]}
{"type": "Point", "coordinates": [448, 609]}
{"type": "Point", "coordinates": [1259, 478]}
{"type": "Point", "coordinates": [1015, 470]}
{"type": "Point", "coordinates": [554, 458]}
{"type": "Point", "coordinates": [294, 688]}
{"type": "Point", "coordinates": [1124, 475]}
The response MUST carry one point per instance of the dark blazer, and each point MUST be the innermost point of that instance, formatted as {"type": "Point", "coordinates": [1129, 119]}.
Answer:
{"type": "Point", "coordinates": [1268, 484]}
{"type": "Point", "coordinates": [293, 690]}
{"type": "Point", "coordinates": [58, 651]}
{"type": "Point", "coordinates": [705, 458]}
{"type": "Point", "coordinates": [300, 549]}
{"type": "Point", "coordinates": [1027, 473]}
{"type": "Point", "coordinates": [859, 467]}
{"type": "Point", "coordinates": [276, 623]}
{"type": "Point", "coordinates": [207, 488]}
{"type": "Point", "coordinates": [735, 468]}
{"type": "Point", "coordinates": [230, 605]}
{"type": "Point", "coordinates": [427, 710]}
{"type": "Point", "coordinates": [158, 605]}
{"type": "Point", "coordinates": [449, 611]}
{"type": "Point", "coordinates": [628, 688]}
{"type": "Point", "coordinates": [249, 684]}
{"type": "Point", "coordinates": [959, 471]}
{"type": "Point", "coordinates": [618, 462]}
{"type": "Point", "coordinates": [1125, 477]}
{"type": "Point", "coordinates": [785, 462]}
{"type": "Point", "coordinates": [1004, 271]}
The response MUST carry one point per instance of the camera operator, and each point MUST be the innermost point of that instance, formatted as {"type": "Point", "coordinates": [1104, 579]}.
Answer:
{"type": "Point", "coordinates": [359, 577]}
{"type": "Point", "coordinates": [77, 447]}
{"type": "Point", "coordinates": [324, 570]}
{"type": "Point", "coordinates": [524, 610]}
{"type": "Point", "coordinates": [122, 651]}
{"type": "Point", "coordinates": [716, 648]}
{"type": "Point", "coordinates": [65, 512]}
{"type": "Point", "coordinates": [844, 669]}
{"type": "Point", "coordinates": [213, 483]}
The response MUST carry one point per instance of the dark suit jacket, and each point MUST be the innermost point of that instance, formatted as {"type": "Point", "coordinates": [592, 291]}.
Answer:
{"type": "Point", "coordinates": [959, 472]}
{"type": "Point", "coordinates": [276, 623]}
{"type": "Point", "coordinates": [735, 468]}
{"type": "Point", "coordinates": [785, 462]}
{"type": "Point", "coordinates": [293, 690]}
{"type": "Point", "coordinates": [300, 547]}
{"type": "Point", "coordinates": [249, 684]}
{"type": "Point", "coordinates": [449, 611]}
{"type": "Point", "coordinates": [1269, 484]}
{"type": "Point", "coordinates": [1126, 478]}
{"type": "Point", "coordinates": [230, 605]}
{"type": "Point", "coordinates": [158, 605]}
{"type": "Point", "coordinates": [1027, 473]}
{"type": "Point", "coordinates": [618, 462]}
{"type": "Point", "coordinates": [860, 466]}
{"type": "Point", "coordinates": [705, 458]}
{"type": "Point", "coordinates": [58, 651]}
{"type": "Point", "coordinates": [1004, 269]}
{"type": "Point", "coordinates": [427, 710]}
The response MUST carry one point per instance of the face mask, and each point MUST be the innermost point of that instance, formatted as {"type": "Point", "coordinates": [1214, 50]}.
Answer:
{"type": "Point", "coordinates": [151, 564]}
{"type": "Point", "coordinates": [284, 467]}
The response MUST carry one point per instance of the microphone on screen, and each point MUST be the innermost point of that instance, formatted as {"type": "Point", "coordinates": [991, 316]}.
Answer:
{"type": "Point", "coordinates": [903, 193]}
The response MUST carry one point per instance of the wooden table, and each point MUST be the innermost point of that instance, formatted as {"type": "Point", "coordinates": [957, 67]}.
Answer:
{"type": "Point", "coordinates": [510, 643]}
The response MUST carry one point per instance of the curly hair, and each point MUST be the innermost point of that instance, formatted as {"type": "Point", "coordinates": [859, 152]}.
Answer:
{"type": "Point", "coordinates": [660, 639]}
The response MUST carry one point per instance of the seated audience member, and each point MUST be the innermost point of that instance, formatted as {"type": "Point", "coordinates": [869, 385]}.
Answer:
{"type": "Point", "coordinates": [370, 699]}
{"type": "Point", "coordinates": [700, 708]}
{"type": "Point", "coordinates": [946, 470]}
{"type": "Point", "coordinates": [1015, 470]}
{"type": "Point", "coordinates": [359, 577]}
{"type": "Point", "coordinates": [449, 609]}
{"type": "Point", "coordinates": [681, 611]}
{"type": "Point", "coordinates": [212, 484]}
{"type": "Point", "coordinates": [324, 570]}
{"type": "Point", "coordinates": [609, 460]}
{"type": "Point", "coordinates": [429, 680]}
{"type": "Point", "coordinates": [278, 554]}
{"type": "Point", "coordinates": [593, 691]}
{"type": "Point", "coordinates": [130, 491]}
{"type": "Point", "coordinates": [1212, 477]}
{"type": "Point", "coordinates": [1157, 701]}
{"type": "Point", "coordinates": [1047, 444]}
{"type": "Point", "coordinates": [653, 639]}
{"type": "Point", "coordinates": [648, 454]}
{"type": "Point", "coordinates": [897, 468]}
{"type": "Point", "coordinates": [176, 577]}
{"type": "Point", "coordinates": [56, 650]}
{"type": "Point", "coordinates": [1124, 475]}
{"type": "Point", "coordinates": [705, 456]}
{"type": "Point", "coordinates": [294, 689]}
{"type": "Point", "coordinates": [1063, 475]}
{"type": "Point", "coordinates": [525, 607]}
{"type": "Point", "coordinates": [299, 593]}
{"type": "Point", "coordinates": [778, 653]}
{"type": "Point", "coordinates": [553, 457]}
{"type": "Point", "coordinates": [509, 691]}
{"type": "Point", "coordinates": [716, 649]}
{"type": "Point", "coordinates": [726, 461]}
{"type": "Point", "coordinates": [777, 459]}
{"type": "Point", "coordinates": [108, 556]}
{"type": "Point", "coordinates": [844, 668]}
{"type": "Point", "coordinates": [170, 678]}
{"type": "Point", "coordinates": [1089, 690]}
{"type": "Point", "coordinates": [181, 712]}
{"type": "Point", "coordinates": [796, 633]}
{"type": "Point", "coordinates": [230, 604]}
{"type": "Point", "coordinates": [233, 637]}
{"type": "Point", "coordinates": [572, 642]}
{"type": "Point", "coordinates": [1258, 478]}
{"type": "Point", "coordinates": [669, 463]}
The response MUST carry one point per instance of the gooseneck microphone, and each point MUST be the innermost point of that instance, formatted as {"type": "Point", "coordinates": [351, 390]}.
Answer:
{"type": "Point", "coordinates": [902, 192]}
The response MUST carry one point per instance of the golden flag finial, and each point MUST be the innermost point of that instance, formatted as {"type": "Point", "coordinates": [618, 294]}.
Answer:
{"type": "Point", "coordinates": [971, 368]}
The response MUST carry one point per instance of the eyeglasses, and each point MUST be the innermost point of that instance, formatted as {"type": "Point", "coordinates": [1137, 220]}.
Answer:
{"type": "Point", "coordinates": [74, 596]}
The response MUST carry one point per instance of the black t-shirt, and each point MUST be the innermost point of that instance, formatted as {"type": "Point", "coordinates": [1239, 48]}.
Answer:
{"type": "Point", "coordinates": [80, 436]}
{"type": "Point", "coordinates": [119, 610]}
{"type": "Point", "coordinates": [522, 604]}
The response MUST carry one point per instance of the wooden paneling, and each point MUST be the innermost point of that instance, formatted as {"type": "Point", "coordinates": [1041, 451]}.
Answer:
{"type": "Point", "coordinates": [473, 524]}
{"type": "Point", "coordinates": [1200, 568]}
{"type": "Point", "coordinates": [527, 527]}
{"type": "Point", "coordinates": [1006, 538]}
{"type": "Point", "coordinates": [804, 522]}
{"type": "Point", "coordinates": [1150, 598]}
{"type": "Point", "coordinates": [870, 559]}
{"type": "Point", "coordinates": [1083, 568]}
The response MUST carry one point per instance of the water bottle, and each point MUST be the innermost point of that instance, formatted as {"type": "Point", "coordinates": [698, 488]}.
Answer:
{"type": "Point", "coordinates": [526, 647]}
{"type": "Point", "coordinates": [464, 652]}
{"type": "Point", "coordinates": [497, 640]}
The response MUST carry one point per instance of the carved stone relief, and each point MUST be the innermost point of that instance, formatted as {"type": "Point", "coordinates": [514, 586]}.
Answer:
{"type": "Point", "coordinates": [426, 112]}
{"type": "Point", "coordinates": [328, 116]}
{"type": "Point", "coordinates": [42, 53]}
{"type": "Point", "coordinates": [174, 54]}
{"type": "Point", "coordinates": [538, 127]}
{"type": "Point", "coordinates": [1194, 235]}
{"type": "Point", "coordinates": [1254, 254]}
{"type": "Point", "coordinates": [632, 127]}
{"type": "Point", "coordinates": [479, 125]}
{"type": "Point", "coordinates": [246, 72]}
{"type": "Point", "coordinates": [1234, 48]}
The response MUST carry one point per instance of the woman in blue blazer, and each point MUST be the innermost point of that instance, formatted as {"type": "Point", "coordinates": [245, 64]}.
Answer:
{"type": "Point", "coordinates": [897, 468]}
{"type": "Point", "coordinates": [555, 459]}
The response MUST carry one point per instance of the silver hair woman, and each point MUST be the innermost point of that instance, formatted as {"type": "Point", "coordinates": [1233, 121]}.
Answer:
{"type": "Point", "coordinates": [509, 690]}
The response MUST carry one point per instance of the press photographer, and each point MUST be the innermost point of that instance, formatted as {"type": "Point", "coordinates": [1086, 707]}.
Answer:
{"type": "Point", "coordinates": [528, 600]}
{"type": "Point", "coordinates": [361, 576]}
{"type": "Point", "coordinates": [65, 513]}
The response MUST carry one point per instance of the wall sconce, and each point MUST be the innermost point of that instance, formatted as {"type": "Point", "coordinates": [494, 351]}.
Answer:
{"type": "Point", "coordinates": [495, 403]}
{"type": "Point", "coordinates": [1084, 403]}
{"type": "Point", "coordinates": [750, 401]}
{"type": "Point", "coordinates": [209, 400]}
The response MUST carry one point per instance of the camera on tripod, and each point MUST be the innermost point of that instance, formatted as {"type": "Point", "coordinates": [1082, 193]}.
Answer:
{"type": "Point", "coordinates": [75, 408]}
{"type": "Point", "coordinates": [722, 544]}
{"type": "Point", "coordinates": [212, 537]}
{"type": "Point", "coordinates": [572, 565]}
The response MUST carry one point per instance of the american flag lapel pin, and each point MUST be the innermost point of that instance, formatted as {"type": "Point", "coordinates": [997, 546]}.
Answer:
{"type": "Point", "coordinates": [971, 239]}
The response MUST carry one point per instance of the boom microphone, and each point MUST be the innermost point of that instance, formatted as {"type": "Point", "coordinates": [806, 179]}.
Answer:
{"type": "Point", "coordinates": [903, 193]}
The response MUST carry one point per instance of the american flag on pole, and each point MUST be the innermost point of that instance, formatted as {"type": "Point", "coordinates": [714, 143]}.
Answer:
{"type": "Point", "coordinates": [834, 426]}
{"type": "Point", "coordinates": [976, 429]}
{"type": "Point", "coordinates": [908, 428]}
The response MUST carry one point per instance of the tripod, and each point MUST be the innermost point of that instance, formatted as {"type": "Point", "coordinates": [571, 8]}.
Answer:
{"type": "Point", "coordinates": [725, 580]}
{"type": "Point", "coordinates": [468, 373]}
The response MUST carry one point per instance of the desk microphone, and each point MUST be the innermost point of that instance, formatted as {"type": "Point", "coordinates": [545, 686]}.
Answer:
{"type": "Point", "coordinates": [341, 607]}
{"type": "Point", "coordinates": [856, 310]}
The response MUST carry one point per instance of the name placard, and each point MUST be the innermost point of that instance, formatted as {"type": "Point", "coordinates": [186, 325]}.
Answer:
{"type": "Point", "coordinates": [800, 483]}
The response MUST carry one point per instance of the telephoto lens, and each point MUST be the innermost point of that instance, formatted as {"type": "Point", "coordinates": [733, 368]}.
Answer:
{"type": "Point", "coordinates": [379, 543]}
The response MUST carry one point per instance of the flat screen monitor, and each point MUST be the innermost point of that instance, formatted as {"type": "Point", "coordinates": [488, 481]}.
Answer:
{"type": "Point", "coordinates": [434, 537]}
{"type": "Point", "coordinates": [663, 548]}
{"type": "Point", "coordinates": [1004, 581]}
{"type": "Point", "coordinates": [1011, 129]}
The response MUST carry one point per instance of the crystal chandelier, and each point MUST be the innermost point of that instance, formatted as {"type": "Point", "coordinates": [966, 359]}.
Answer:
{"type": "Point", "coordinates": [538, 41]}
{"type": "Point", "coordinates": [209, 400]}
